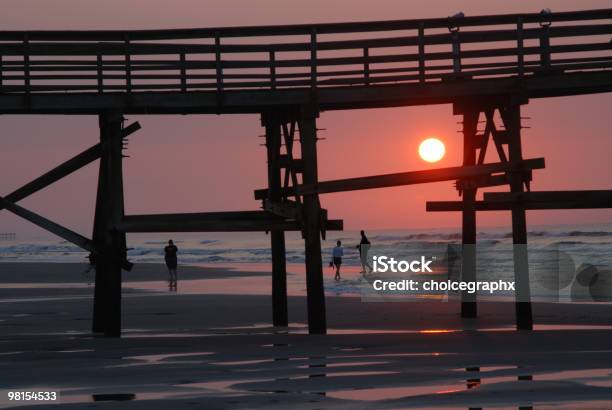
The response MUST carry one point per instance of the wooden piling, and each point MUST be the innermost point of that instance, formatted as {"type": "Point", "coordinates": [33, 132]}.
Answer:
{"type": "Point", "coordinates": [312, 226]}
{"type": "Point", "coordinates": [511, 116]}
{"type": "Point", "coordinates": [277, 237]}
{"type": "Point", "coordinates": [110, 243]}
{"type": "Point", "coordinates": [280, 315]}
{"type": "Point", "coordinates": [468, 236]}
{"type": "Point", "coordinates": [101, 210]}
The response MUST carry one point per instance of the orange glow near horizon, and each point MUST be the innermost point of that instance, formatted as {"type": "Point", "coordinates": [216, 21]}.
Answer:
{"type": "Point", "coordinates": [432, 150]}
{"type": "Point", "coordinates": [436, 331]}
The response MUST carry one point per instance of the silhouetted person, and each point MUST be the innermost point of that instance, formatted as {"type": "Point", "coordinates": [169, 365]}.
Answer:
{"type": "Point", "coordinates": [170, 252]}
{"type": "Point", "coordinates": [364, 248]}
{"type": "Point", "coordinates": [337, 254]}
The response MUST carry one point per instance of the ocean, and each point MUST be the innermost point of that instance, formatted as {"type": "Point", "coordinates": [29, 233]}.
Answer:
{"type": "Point", "coordinates": [585, 243]}
{"type": "Point", "coordinates": [570, 262]}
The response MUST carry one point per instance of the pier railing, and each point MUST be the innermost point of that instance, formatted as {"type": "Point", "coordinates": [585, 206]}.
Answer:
{"type": "Point", "coordinates": [305, 56]}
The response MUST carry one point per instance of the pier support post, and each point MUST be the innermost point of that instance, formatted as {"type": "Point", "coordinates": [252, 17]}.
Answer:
{"type": "Point", "coordinates": [511, 115]}
{"type": "Point", "coordinates": [312, 226]}
{"type": "Point", "coordinates": [95, 257]}
{"type": "Point", "coordinates": [468, 235]}
{"type": "Point", "coordinates": [277, 237]}
{"type": "Point", "coordinates": [111, 244]}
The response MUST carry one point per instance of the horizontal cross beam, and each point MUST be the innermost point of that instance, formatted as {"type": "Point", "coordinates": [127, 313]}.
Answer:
{"type": "Point", "coordinates": [543, 200]}
{"type": "Point", "coordinates": [409, 178]}
{"type": "Point", "coordinates": [237, 221]}
{"type": "Point", "coordinates": [48, 225]}
{"type": "Point", "coordinates": [457, 206]}
{"type": "Point", "coordinates": [73, 164]}
{"type": "Point", "coordinates": [593, 197]}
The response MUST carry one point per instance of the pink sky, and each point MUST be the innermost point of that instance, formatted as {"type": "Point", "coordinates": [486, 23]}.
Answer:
{"type": "Point", "coordinates": [211, 163]}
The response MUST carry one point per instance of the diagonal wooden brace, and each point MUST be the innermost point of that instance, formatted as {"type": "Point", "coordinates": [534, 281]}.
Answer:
{"type": "Point", "coordinates": [73, 164]}
{"type": "Point", "coordinates": [410, 178]}
{"type": "Point", "coordinates": [48, 225]}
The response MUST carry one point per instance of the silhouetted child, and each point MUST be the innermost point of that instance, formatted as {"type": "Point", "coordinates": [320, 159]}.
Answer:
{"type": "Point", "coordinates": [337, 254]}
{"type": "Point", "coordinates": [170, 252]}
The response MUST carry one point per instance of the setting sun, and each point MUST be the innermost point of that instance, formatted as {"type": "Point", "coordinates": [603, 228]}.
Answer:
{"type": "Point", "coordinates": [432, 150]}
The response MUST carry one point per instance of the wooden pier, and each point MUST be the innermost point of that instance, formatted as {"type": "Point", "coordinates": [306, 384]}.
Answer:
{"type": "Point", "coordinates": [493, 66]}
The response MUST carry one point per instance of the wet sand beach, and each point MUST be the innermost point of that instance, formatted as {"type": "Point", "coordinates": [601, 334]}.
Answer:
{"type": "Point", "coordinates": [210, 345]}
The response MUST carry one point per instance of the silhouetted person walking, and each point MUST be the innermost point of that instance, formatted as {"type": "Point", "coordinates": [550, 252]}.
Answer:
{"type": "Point", "coordinates": [337, 254]}
{"type": "Point", "coordinates": [364, 248]}
{"type": "Point", "coordinates": [170, 252]}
